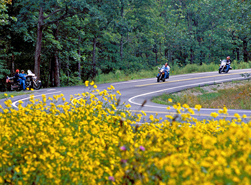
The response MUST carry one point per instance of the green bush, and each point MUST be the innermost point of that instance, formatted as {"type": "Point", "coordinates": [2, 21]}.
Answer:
{"type": "Point", "coordinates": [72, 80]}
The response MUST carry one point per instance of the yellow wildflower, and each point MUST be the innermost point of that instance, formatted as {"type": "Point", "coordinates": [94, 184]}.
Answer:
{"type": "Point", "coordinates": [214, 114]}
{"type": "Point", "coordinates": [198, 107]}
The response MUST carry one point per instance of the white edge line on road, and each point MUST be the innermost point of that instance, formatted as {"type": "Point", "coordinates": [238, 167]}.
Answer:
{"type": "Point", "coordinates": [131, 99]}
{"type": "Point", "coordinates": [133, 81]}
{"type": "Point", "coordinates": [180, 75]}
{"type": "Point", "coordinates": [51, 90]}
{"type": "Point", "coordinates": [14, 103]}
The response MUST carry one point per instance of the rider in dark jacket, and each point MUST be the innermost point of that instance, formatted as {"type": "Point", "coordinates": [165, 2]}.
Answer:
{"type": "Point", "coordinates": [16, 76]}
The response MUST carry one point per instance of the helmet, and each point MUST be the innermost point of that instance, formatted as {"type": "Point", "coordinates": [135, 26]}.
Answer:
{"type": "Point", "coordinates": [17, 71]}
{"type": "Point", "coordinates": [228, 57]}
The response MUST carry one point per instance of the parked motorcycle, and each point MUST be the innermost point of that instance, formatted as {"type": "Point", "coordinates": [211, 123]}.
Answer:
{"type": "Point", "coordinates": [30, 82]}
{"type": "Point", "coordinates": [12, 84]}
{"type": "Point", "coordinates": [223, 66]}
{"type": "Point", "coordinates": [161, 75]}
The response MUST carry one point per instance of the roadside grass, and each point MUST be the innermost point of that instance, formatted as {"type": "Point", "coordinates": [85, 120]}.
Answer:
{"type": "Point", "coordinates": [198, 89]}
{"type": "Point", "coordinates": [238, 97]}
{"type": "Point", "coordinates": [119, 75]}
{"type": "Point", "coordinates": [12, 94]}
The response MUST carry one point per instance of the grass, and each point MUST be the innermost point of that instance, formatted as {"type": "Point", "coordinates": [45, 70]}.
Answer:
{"type": "Point", "coordinates": [12, 94]}
{"type": "Point", "coordinates": [198, 89]}
{"type": "Point", "coordinates": [118, 75]}
{"type": "Point", "coordinates": [233, 98]}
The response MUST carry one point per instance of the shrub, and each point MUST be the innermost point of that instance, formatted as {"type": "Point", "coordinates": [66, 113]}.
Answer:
{"type": "Point", "coordinates": [72, 80]}
{"type": "Point", "coordinates": [92, 140]}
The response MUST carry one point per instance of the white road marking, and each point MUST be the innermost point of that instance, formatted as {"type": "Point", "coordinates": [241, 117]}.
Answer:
{"type": "Point", "coordinates": [142, 80]}
{"type": "Point", "coordinates": [14, 103]}
{"type": "Point", "coordinates": [195, 114]}
{"type": "Point", "coordinates": [153, 92]}
{"type": "Point", "coordinates": [180, 75]}
{"type": "Point", "coordinates": [51, 90]}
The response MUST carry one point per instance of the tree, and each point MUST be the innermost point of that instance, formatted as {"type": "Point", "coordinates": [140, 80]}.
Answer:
{"type": "Point", "coordinates": [49, 12]}
{"type": "Point", "coordinates": [239, 25]}
{"type": "Point", "coordinates": [5, 36]}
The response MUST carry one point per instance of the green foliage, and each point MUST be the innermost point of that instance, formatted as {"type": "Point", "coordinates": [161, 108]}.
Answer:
{"type": "Point", "coordinates": [73, 79]}
{"type": "Point", "coordinates": [129, 36]}
{"type": "Point", "coordinates": [243, 65]}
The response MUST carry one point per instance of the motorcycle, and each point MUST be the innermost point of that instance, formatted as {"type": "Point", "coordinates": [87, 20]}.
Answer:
{"type": "Point", "coordinates": [161, 75]}
{"type": "Point", "coordinates": [30, 82]}
{"type": "Point", "coordinates": [223, 66]}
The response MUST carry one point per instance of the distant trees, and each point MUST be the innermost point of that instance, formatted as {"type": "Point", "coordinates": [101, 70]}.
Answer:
{"type": "Point", "coordinates": [66, 40]}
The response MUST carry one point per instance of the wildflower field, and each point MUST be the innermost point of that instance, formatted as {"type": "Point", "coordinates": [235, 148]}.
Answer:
{"type": "Point", "coordinates": [91, 140]}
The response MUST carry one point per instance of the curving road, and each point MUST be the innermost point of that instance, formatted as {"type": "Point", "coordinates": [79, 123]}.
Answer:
{"type": "Point", "coordinates": [135, 92]}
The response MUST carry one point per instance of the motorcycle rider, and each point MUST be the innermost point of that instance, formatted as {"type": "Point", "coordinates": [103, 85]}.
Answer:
{"type": "Point", "coordinates": [22, 79]}
{"type": "Point", "coordinates": [166, 68]}
{"type": "Point", "coordinates": [16, 76]}
{"type": "Point", "coordinates": [228, 63]}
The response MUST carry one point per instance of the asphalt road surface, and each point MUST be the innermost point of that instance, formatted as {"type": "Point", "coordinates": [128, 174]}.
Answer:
{"type": "Point", "coordinates": [135, 92]}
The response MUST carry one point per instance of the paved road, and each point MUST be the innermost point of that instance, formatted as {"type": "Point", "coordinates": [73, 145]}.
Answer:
{"type": "Point", "coordinates": [135, 92]}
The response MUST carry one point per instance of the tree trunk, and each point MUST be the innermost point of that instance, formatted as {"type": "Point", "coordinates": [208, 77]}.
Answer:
{"type": "Point", "coordinates": [121, 39]}
{"type": "Point", "coordinates": [93, 57]}
{"type": "Point", "coordinates": [160, 49]}
{"type": "Point", "coordinates": [12, 64]}
{"type": "Point", "coordinates": [56, 74]}
{"type": "Point", "coordinates": [68, 69]}
{"type": "Point", "coordinates": [191, 56]}
{"type": "Point", "coordinates": [121, 48]}
{"type": "Point", "coordinates": [49, 74]}
{"type": "Point", "coordinates": [52, 71]}
{"type": "Point", "coordinates": [39, 43]}
{"type": "Point", "coordinates": [238, 54]}
{"type": "Point", "coordinates": [245, 52]}
{"type": "Point", "coordinates": [79, 62]}
{"type": "Point", "coordinates": [56, 61]}
{"type": "Point", "coordinates": [156, 57]}
{"type": "Point", "coordinates": [169, 56]}
{"type": "Point", "coordinates": [210, 46]}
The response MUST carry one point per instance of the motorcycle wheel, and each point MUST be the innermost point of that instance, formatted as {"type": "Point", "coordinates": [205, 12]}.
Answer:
{"type": "Point", "coordinates": [164, 80]}
{"type": "Point", "coordinates": [36, 86]}
{"type": "Point", "coordinates": [220, 71]}
{"type": "Point", "coordinates": [157, 79]}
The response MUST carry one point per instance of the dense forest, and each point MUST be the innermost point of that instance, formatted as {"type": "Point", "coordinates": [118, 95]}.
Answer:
{"type": "Point", "coordinates": [64, 39]}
